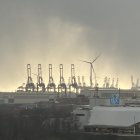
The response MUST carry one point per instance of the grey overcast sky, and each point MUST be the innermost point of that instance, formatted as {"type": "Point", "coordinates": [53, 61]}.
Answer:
{"type": "Point", "coordinates": [64, 31]}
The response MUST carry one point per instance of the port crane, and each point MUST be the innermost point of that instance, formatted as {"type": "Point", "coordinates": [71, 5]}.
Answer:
{"type": "Point", "coordinates": [79, 82]}
{"type": "Point", "coordinates": [73, 79]}
{"type": "Point", "coordinates": [83, 81]}
{"type": "Point", "coordinates": [29, 85]}
{"type": "Point", "coordinates": [51, 85]}
{"type": "Point", "coordinates": [40, 83]}
{"type": "Point", "coordinates": [62, 85]}
{"type": "Point", "coordinates": [116, 85]}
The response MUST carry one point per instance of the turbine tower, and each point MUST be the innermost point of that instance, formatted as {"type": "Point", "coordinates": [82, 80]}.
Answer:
{"type": "Point", "coordinates": [92, 70]}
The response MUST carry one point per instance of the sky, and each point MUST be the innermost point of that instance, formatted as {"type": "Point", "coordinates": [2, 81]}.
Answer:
{"type": "Point", "coordinates": [66, 31]}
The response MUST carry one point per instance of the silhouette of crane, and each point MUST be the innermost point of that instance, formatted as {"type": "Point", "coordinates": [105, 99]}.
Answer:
{"type": "Point", "coordinates": [73, 79]}
{"type": "Point", "coordinates": [29, 85]}
{"type": "Point", "coordinates": [62, 84]}
{"type": "Point", "coordinates": [40, 83]}
{"type": "Point", "coordinates": [51, 84]}
{"type": "Point", "coordinates": [92, 70]}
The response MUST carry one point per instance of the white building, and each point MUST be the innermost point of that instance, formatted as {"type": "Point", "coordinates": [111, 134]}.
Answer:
{"type": "Point", "coordinates": [114, 116]}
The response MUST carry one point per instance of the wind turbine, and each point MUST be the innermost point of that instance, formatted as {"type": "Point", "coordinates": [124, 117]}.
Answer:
{"type": "Point", "coordinates": [92, 70]}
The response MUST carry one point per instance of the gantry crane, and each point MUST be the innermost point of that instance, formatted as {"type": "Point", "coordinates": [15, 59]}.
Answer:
{"type": "Point", "coordinates": [83, 81]}
{"type": "Point", "coordinates": [73, 79]}
{"type": "Point", "coordinates": [79, 82]}
{"type": "Point", "coordinates": [51, 85]}
{"type": "Point", "coordinates": [29, 85]}
{"type": "Point", "coordinates": [62, 85]}
{"type": "Point", "coordinates": [116, 85]}
{"type": "Point", "coordinates": [40, 83]}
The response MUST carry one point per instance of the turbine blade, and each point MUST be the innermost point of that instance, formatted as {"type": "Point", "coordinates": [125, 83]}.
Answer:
{"type": "Point", "coordinates": [96, 58]}
{"type": "Point", "coordinates": [85, 61]}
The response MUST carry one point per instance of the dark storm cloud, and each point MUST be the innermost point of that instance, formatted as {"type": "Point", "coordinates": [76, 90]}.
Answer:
{"type": "Point", "coordinates": [108, 26]}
